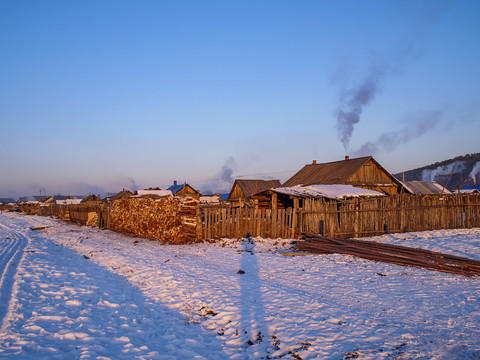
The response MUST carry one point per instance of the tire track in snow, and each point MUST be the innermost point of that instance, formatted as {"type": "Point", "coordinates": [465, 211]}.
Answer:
{"type": "Point", "coordinates": [10, 256]}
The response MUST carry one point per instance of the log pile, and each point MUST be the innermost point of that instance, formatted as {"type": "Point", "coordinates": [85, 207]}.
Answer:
{"type": "Point", "coordinates": [167, 219]}
{"type": "Point", "coordinates": [394, 254]}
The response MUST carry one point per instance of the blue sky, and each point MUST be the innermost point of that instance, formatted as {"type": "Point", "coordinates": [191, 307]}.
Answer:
{"type": "Point", "coordinates": [100, 95]}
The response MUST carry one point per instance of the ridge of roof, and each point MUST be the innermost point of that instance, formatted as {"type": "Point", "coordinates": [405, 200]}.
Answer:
{"type": "Point", "coordinates": [335, 172]}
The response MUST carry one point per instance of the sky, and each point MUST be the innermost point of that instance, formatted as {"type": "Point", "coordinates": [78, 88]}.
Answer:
{"type": "Point", "coordinates": [96, 96]}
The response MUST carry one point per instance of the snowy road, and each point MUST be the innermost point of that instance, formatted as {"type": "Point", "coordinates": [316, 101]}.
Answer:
{"type": "Point", "coordinates": [66, 307]}
{"type": "Point", "coordinates": [88, 293]}
{"type": "Point", "coordinates": [11, 251]}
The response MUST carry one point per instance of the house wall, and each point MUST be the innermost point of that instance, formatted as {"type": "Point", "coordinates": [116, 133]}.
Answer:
{"type": "Point", "coordinates": [370, 176]}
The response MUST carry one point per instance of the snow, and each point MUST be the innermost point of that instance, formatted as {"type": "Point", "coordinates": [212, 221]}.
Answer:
{"type": "Point", "coordinates": [68, 201]}
{"type": "Point", "coordinates": [337, 192]}
{"type": "Point", "coordinates": [76, 292]}
{"type": "Point", "coordinates": [161, 193]}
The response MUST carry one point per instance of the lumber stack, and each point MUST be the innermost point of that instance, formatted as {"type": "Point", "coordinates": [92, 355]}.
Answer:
{"type": "Point", "coordinates": [393, 254]}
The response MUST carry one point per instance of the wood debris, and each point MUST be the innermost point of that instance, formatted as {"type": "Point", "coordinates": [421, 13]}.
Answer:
{"type": "Point", "coordinates": [394, 254]}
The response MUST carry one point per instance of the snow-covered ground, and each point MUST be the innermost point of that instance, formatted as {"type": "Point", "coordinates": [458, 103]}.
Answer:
{"type": "Point", "coordinates": [73, 292]}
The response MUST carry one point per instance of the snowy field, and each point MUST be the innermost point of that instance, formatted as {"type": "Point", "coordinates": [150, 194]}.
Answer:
{"type": "Point", "coordinates": [73, 292]}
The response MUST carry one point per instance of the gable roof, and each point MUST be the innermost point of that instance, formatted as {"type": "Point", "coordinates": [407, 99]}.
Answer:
{"type": "Point", "coordinates": [336, 172]}
{"type": "Point", "coordinates": [121, 194]}
{"type": "Point", "coordinates": [175, 188]}
{"type": "Point", "coordinates": [252, 187]}
{"type": "Point", "coordinates": [425, 187]}
{"type": "Point", "coordinates": [91, 198]}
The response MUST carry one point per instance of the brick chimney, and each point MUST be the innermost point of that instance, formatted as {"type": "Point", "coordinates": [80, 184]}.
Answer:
{"type": "Point", "coordinates": [175, 182]}
{"type": "Point", "coordinates": [314, 162]}
{"type": "Point", "coordinates": [347, 157]}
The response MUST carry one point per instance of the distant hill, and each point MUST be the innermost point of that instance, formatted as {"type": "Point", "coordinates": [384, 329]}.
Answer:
{"type": "Point", "coordinates": [466, 172]}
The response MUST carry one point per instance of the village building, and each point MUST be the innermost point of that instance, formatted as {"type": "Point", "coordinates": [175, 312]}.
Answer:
{"type": "Point", "coordinates": [425, 188]}
{"type": "Point", "coordinates": [362, 172]}
{"type": "Point", "coordinates": [121, 195]}
{"type": "Point", "coordinates": [92, 200]}
{"type": "Point", "coordinates": [470, 189]}
{"type": "Point", "coordinates": [243, 192]}
{"type": "Point", "coordinates": [183, 190]}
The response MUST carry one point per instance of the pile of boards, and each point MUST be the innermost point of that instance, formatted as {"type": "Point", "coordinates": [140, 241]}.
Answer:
{"type": "Point", "coordinates": [394, 254]}
{"type": "Point", "coordinates": [166, 219]}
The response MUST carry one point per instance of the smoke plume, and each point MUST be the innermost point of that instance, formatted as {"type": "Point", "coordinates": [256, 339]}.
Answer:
{"type": "Point", "coordinates": [416, 125]}
{"type": "Point", "coordinates": [354, 99]}
{"type": "Point", "coordinates": [444, 170]}
{"type": "Point", "coordinates": [475, 171]}
{"type": "Point", "coordinates": [222, 181]}
{"type": "Point", "coordinates": [133, 186]}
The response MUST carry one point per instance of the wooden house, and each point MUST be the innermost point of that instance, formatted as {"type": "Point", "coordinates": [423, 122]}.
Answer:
{"type": "Point", "coordinates": [183, 190]}
{"type": "Point", "coordinates": [121, 195]}
{"type": "Point", "coordinates": [362, 172]}
{"type": "Point", "coordinates": [243, 191]}
{"type": "Point", "coordinates": [92, 200]}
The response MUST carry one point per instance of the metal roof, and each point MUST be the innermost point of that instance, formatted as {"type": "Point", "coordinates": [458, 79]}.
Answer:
{"type": "Point", "coordinates": [425, 187]}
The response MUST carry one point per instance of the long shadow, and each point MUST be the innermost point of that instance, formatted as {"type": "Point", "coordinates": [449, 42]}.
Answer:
{"type": "Point", "coordinates": [70, 307]}
{"type": "Point", "coordinates": [253, 323]}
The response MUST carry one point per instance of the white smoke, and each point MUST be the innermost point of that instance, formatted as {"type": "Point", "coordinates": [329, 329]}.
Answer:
{"type": "Point", "coordinates": [419, 124]}
{"type": "Point", "coordinates": [474, 172]}
{"type": "Point", "coordinates": [444, 170]}
{"type": "Point", "coordinates": [222, 181]}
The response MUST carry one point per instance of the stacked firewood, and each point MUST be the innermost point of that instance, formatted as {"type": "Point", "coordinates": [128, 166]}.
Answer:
{"type": "Point", "coordinates": [188, 227]}
{"type": "Point", "coordinates": [394, 254]}
{"type": "Point", "coordinates": [167, 219]}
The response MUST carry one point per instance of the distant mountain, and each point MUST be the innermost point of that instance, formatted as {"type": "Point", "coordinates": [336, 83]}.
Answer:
{"type": "Point", "coordinates": [466, 172]}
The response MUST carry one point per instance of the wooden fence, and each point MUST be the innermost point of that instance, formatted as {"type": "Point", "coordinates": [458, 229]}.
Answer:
{"type": "Point", "coordinates": [352, 218]}
{"type": "Point", "coordinates": [346, 219]}
{"type": "Point", "coordinates": [217, 222]}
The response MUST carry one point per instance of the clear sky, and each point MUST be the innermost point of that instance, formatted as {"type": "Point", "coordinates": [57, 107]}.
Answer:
{"type": "Point", "coordinates": [101, 95]}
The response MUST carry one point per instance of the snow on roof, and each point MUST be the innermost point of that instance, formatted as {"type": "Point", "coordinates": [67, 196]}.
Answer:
{"type": "Point", "coordinates": [68, 201]}
{"type": "Point", "coordinates": [161, 193]}
{"type": "Point", "coordinates": [336, 192]}
{"type": "Point", "coordinates": [209, 199]}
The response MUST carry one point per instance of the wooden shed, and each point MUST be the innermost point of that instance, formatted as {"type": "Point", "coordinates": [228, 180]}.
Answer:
{"type": "Point", "coordinates": [243, 191]}
{"type": "Point", "coordinates": [362, 172]}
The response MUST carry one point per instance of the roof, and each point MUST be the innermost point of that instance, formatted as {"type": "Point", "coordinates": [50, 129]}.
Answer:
{"type": "Point", "coordinates": [160, 193]}
{"type": "Point", "coordinates": [425, 187]}
{"type": "Point", "coordinates": [68, 201]}
{"type": "Point", "coordinates": [91, 198]}
{"type": "Point", "coordinates": [175, 188]}
{"type": "Point", "coordinates": [252, 187]}
{"type": "Point", "coordinates": [329, 191]}
{"type": "Point", "coordinates": [336, 172]}
{"type": "Point", "coordinates": [470, 189]}
{"type": "Point", "coordinates": [121, 194]}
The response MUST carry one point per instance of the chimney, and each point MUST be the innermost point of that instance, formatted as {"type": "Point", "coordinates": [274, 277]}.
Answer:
{"type": "Point", "coordinates": [175, 183]}
{"type": "Point", "coordinates": [347, 157]}
{"type": "Point", "coordinates": [314, 162]}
